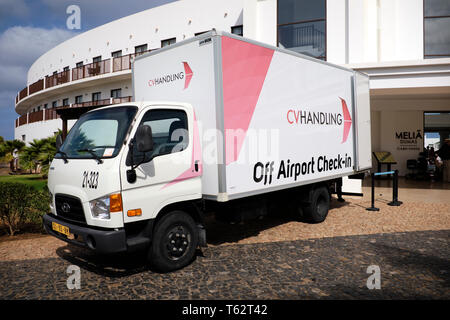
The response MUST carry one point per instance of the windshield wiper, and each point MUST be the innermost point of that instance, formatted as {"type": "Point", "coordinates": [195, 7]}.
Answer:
{"type": "Point", "coordinates": [63, 154]}
{"type": "Point", "coordinates": [99, 160]}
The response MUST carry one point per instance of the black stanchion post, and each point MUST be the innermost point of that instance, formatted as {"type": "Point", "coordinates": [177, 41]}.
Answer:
{"type": "Point", "coordinates": [395, 201]}
{"type": "Point", "coordinates": [372, 207]}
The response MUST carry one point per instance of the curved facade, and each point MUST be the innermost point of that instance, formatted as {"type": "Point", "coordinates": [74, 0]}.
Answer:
{"type": "Point", "coordinates": [94, 68]}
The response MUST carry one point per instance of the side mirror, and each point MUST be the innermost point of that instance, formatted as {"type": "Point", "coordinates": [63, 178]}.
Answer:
{"type": "Point", "coordinates": [59, 141]}
{"type": "Point", "coordinates": [144, 139]}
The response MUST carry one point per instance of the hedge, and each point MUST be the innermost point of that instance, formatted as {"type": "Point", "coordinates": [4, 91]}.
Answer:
{"type": "Point", "coordinates": [21, 203]}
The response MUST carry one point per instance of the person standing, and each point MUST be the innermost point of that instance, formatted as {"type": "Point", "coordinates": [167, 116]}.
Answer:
{"type": "Point", "coordinates": [15, 155]}
{"type": "Point", "coordinates": [444, 154]}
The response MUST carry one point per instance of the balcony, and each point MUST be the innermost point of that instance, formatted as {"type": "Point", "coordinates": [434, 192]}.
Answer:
{"type": "Point", "coordinates": [125, 62]}
{"type": "Point", "coordinates": [35, 87]}
{"type": "Point", "coordinates": [56, 79]}
{"type": "Point", "coordinates": [94, 69]}
{"type": "Point", "coordinates": [23, 93]}
{"type": "Point", "coordinates": [36, 116]}
{"type": "Point", "coordinates": [51, 114]}
{"type": "Point", "coordinates": [91, 70]}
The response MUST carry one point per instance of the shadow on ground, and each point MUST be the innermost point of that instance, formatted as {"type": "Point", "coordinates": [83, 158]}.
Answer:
{"type": "Point", "coordinates": [112, 266]}
{"type": "Point", "coordinates": [220, 232]}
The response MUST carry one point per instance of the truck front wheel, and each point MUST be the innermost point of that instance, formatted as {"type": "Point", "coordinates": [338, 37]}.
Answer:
{"type": "Point", "coordinates": [175, 239]}
{"type": "Point", "coordinates": [317, 210]}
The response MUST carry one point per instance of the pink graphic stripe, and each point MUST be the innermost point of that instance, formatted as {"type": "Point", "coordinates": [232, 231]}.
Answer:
{"type": "Point", "coordinates": [244, 69]}
{"type": "Point", "coordinates": [196, 158]}
{"type": "Point", "coordinates": [188, 73]}
{"type": "Point", "coordinates": [347, 120]}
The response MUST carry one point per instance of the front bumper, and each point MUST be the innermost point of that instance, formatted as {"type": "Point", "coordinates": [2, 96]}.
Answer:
{"type": "Point", "coordinates": [100, 241]}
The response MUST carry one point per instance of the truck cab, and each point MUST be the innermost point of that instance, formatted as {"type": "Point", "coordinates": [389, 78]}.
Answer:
{"type": "Point", "coordinates": [122, 172]}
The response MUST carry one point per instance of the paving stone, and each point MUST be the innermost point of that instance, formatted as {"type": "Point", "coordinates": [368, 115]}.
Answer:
{"type": "Point", "coordinates": [413, 265]}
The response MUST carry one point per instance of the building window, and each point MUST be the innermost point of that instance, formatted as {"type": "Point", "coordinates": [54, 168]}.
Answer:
{"type": "Point", "coordinates": [96, 96]}
{"type": "Point", "coordinates": [167, 42]}
{"type": "Point", "coordinates": [97, 59]}
{"type": "Point", "coordinates": [436, 28]}
{"type": "Point", "coordinates": [39, 108]}
{"type": "Point", "coordinates": [140, 49]}
{"type": "Point", "coordinates": [116, 54]}
{"type": "Point", "coordinates": [23, 137]}
{"type": "Point", "coordinates": [238, 30]}
{"type": "Point", "coordinates": [436, 127]}
{"type": "Point", "coordinates": [79, 64]}
{"type": "Point", "coordinates": [79, 99]}
{"type": "Point", "coordinates": [45, 106]}
{"type": "Point", "coordinates": [65, 102]}
{"type": "Point", "coordinates": [54, 104]}
{"type": "Point", "coordinates": [199, 33]}
{"type": "Point", "coordinates": [116, 93]}
{"type": "Point", "coordinates": [301, 26]}
{"type": "Point", "coordinates": [66, 69]}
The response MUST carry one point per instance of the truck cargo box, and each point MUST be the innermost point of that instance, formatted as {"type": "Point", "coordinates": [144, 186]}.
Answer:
{"type": "Point", "coordinates": [269, 118]}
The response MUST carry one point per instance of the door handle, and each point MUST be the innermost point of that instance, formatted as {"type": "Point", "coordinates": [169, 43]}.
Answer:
{"type": "Point", "coordinates": [196, 165]}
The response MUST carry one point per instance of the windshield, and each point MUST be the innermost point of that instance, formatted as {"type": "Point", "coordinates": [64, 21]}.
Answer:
{"type": "Point", "coordinates": [98, 134]}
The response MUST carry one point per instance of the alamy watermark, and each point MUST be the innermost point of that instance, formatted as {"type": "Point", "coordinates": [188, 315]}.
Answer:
{"type": "Point", "coordinates": [74, 279]}
{"type": "Point", "coordinates": [74, 19]}
{"type": "Point", "coordinates": [374, 280]}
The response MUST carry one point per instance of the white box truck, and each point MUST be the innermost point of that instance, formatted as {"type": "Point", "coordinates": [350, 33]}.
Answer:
{"type": "Point", "coordinates": [220, 124]}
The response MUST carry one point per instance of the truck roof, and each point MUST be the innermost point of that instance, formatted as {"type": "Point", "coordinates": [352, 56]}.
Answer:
{"type": "Point", "coordinates": [143, 104]}
{"type": "Point", "coordinates": [214, 32]}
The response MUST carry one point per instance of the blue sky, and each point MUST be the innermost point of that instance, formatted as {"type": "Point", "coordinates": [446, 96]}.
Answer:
{"type": "Point", "coordinates": [28, 28]}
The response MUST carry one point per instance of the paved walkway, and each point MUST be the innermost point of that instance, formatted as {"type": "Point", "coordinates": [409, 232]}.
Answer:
{"type": "Point", "coordinates": [413, 265]}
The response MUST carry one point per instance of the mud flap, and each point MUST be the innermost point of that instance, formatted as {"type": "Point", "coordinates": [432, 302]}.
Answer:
{"type": "Point", "coordinates": [201, 235]}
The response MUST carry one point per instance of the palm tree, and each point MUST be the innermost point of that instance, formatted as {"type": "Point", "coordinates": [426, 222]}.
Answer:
{"type": "Point", "coordinates": [47, 153]}
{"type": "Point", "coordinates": [9, 146]}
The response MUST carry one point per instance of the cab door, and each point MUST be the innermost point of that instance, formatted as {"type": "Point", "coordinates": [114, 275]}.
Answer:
{"type": "Point", "coordinates": [171, 171]}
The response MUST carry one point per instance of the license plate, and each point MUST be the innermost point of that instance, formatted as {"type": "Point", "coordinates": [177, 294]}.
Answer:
{"type": "Point", "coordinates": [60, 228]}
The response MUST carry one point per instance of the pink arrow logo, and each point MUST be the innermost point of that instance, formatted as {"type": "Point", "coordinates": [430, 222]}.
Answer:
{"type": "Point", "coordinates": [188, 73]}
{"type": "Point", "coordinates": [347, 120]}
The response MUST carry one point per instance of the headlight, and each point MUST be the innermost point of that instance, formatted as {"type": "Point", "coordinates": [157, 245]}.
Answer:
{"type": "Point", "coordinates": [102, 207]}
{"type": "Point", "coordinates": [51, 201]}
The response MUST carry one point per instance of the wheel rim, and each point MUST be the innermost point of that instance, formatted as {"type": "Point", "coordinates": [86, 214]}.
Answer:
{"type": "Point", "coordinates": [178, 242]}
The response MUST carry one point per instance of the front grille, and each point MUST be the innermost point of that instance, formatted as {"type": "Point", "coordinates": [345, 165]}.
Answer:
{"type": "Point", "coordinates": [69, 207]}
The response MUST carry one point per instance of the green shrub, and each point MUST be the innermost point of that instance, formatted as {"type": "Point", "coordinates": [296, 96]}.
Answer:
{"type": "Point", "coordinates": [40, 205]}
{"type": "Point", "coordinates": [20, 203]}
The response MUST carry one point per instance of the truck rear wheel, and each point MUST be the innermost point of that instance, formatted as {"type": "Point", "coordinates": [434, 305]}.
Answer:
{"type": "Point", "coordinates": [175, 239]}
{"type": "Point", "coordinates": [317, 210]}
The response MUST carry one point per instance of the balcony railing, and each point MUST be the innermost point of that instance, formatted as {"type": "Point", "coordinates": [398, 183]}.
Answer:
{"type": "Point", "coordinates": [23, 120]}
{"type": "Point", "coordinates": [121, 100]}
{"type": "Point", "coordinates": [50, 114]}
{"type": "Point", "coordinates": [23, 93]}
{"type": "Point", "coordinates": [86, 71]}
{"type": "Point", "coordinates": [125, 62]}
{"type": "Point", "coordinates": [36, 116]}
{"type": "Point", "coordinates": [56, 79]}
{"type": "Point", "coordinates": [37, 86]}
{"type": "Point", "coordinates": [91, 70]}
{"type": "Point", "coordinates": [95, 103]}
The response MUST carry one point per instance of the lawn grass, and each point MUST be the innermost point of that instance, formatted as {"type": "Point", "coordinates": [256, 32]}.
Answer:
{"type": "Point", "coordinates": [34, 180]}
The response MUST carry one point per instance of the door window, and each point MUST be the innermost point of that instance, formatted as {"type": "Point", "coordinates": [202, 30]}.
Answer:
{"type": "Point", "coordinates": [169, 133]}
